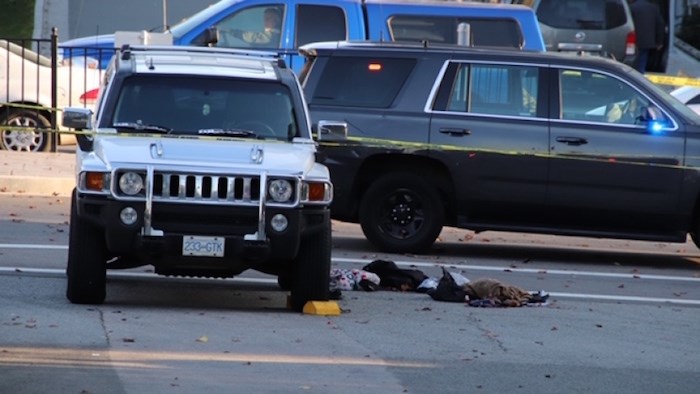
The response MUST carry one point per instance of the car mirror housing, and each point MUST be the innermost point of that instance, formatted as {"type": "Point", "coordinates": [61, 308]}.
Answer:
{"type": "Point", "coordinates": [329, 129]}
{"type": "Point", "coordinates": [79, 119]}
{"type": "Point", "coordinates": [655, 119]}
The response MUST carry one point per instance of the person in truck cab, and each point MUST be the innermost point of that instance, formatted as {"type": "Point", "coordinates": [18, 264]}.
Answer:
{"type": "Point", "coordinates": [270, 34]}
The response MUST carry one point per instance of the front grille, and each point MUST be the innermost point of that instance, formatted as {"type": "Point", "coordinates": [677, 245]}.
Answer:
{"type": "Point", "coordinates": [171, 186]}
{"type": "Point", "coordinates": [182, 187]}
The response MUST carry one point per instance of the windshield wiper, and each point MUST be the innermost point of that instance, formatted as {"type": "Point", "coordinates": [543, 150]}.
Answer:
{"type": "Point", "coordinates": [142, 127]}
{"type": "Point", "coordinates": [228, 133]}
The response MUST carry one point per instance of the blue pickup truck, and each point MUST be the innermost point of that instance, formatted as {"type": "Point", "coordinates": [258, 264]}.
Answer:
{"type": "Point", "coordinates": [285, 25]}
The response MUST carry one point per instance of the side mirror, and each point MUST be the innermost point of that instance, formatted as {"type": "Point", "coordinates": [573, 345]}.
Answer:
{"type": "Point", "coordinates": [330, 130]}
{"type": "Point", "coordinates": [656, 120]}
{"type": "Point", "coordinates": [211, 36]}
{"type": "Point", "coordinates": [79, 119]}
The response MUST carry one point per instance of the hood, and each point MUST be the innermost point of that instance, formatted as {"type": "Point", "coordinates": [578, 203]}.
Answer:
{"type": "Point", "coordinates": [104, 40]}
{"type": "Point", "coordinates": [208, 154]}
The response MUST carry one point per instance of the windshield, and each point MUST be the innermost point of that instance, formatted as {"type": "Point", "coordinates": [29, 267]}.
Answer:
{"type": "Point", "coordinates": [200, 17]}
{"type": "Point", "coordinates": [205, 106]}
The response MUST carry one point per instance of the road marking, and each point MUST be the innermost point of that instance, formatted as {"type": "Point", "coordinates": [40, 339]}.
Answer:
{"type": "Point", "coordinates": [451, 265]}
{"type": "Point", "coordinates": [49, 272]}
{"type": "Point", "coordinates": [526, 270]}
{"type": "Point", "coordinates": [33, 246]}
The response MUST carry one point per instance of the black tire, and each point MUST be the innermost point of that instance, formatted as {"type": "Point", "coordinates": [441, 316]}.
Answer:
{"type": "Point", "coordinates": [401, 214]}
{"type": "Point", "coordinates": [24, 139]}
{"type": "Point", "coordinates": [312, 269]}
{"type": "Point", "coordinates": [87, 261]}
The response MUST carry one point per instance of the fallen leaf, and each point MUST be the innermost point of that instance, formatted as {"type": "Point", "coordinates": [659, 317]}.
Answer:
{"type": "Point", "coordinates": [203, 339]}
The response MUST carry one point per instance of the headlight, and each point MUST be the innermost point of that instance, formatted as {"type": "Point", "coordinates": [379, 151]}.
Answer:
{"type": "Point", "coordinates": [280, 190]}
{"type": "Point", "coordinates": [130, 183]}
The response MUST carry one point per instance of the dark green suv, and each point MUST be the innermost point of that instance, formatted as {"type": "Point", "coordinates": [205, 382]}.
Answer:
{"type": "Point", "coordinates": [419, 137]}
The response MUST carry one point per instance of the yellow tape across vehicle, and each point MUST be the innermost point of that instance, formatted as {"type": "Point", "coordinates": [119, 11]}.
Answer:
{"type": "Point", "coordinates": [662, 79]}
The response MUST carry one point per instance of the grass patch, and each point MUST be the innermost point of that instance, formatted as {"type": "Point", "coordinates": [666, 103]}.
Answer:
{"type": "Point", "coordinates": [16, 18]}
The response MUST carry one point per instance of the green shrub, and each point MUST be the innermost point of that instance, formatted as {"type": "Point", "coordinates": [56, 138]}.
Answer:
{"type": "Point", "coordinates": [16, 18]}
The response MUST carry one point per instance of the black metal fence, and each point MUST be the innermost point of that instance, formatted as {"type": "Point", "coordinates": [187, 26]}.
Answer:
{"type": "Point", "coordinates": [38, 80]}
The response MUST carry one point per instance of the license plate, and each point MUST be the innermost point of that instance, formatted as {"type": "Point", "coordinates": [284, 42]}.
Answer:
{"type": "Point", "coordinates": [202, 246]}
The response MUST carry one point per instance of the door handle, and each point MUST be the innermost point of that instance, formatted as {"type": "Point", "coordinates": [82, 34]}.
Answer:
{"type": "Point", "coordinates": [572, 140]}
{"type": "Point", "coordinates": [454, 131]}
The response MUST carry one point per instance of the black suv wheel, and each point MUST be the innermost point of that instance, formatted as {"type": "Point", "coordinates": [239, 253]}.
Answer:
{"type": "Point", "coordinates": [401, 214]}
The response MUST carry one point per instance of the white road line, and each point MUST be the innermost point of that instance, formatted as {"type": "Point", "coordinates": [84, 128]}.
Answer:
{"type": "Point", "coordinates": [47, 272]}
{"type": "Point", "coordinates": [32, 246]}
{"type": "Point", "coordinates": [526, 270]}
{"type": "Point", "coordinates": [450, 265]}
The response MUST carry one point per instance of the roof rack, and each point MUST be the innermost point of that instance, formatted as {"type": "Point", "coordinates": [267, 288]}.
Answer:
{"type": "Point", "coordinates": [127, 49]}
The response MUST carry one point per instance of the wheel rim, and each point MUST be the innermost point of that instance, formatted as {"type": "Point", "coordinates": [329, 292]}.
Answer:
{"type": "Point", "coordinates": [24, 139]}
{"type": "Point", "coordinates": [401, 215]}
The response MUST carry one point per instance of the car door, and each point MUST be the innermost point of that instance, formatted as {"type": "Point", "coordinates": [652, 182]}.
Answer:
{"type": "Point", "coordinates": [608, 171]}
{"type": "Point", "coordinates": [489, 125]}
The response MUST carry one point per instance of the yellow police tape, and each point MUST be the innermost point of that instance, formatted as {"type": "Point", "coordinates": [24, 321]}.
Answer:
{"type": "Point", "coordinates": [659, 79]}
{"type": "Point", "coordinates": [662, 79]}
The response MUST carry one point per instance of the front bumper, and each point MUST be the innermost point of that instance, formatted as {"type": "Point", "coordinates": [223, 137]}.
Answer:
{"type": "Point", "coordinates": [157, 238]}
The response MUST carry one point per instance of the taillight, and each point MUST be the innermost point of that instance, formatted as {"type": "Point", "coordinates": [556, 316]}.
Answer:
{"type": "Point", "coordinates": [631, 44]}
{"type": "Point", "coordinates": [90, 96]}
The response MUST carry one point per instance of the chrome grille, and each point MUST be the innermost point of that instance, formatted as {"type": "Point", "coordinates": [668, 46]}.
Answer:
{"type": "Point", "coordinates": [240, 189]}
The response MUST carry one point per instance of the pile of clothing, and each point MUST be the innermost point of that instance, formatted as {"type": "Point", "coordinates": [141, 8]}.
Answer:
{"type": "Point", "coordinates": [451, 287]}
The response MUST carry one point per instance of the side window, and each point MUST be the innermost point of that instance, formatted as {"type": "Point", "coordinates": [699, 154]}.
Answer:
{"type": "Point", "coordinates": [495, 90]}
{"type": "Point", "coordinates": [253, 27]}
{"type": "Point", "coordinates": [595, 97]}
{"type": "Point", "coordinates": [484, 32]}
{"type": "Point", "coordinates": [362, 82]}
{"type": "Point", "coordinates": [320, 23]}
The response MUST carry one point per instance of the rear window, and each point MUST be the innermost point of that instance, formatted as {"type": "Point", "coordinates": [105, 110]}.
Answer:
{"type": "Point", "coordinates": [361, 81]}
{"type": "Point", "coordinates": [484, 32]}
{"type": "Point", "coordinates": [582, 14]}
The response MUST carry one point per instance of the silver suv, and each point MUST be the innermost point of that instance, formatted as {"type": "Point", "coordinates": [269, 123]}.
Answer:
{"type": "Point", "coordinates": [596, 26]}
{"type": "Point", "coordinates": [200, 163]}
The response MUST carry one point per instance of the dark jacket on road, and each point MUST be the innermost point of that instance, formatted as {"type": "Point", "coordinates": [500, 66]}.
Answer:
{"type": "Point", "coordinates": [648, 24]}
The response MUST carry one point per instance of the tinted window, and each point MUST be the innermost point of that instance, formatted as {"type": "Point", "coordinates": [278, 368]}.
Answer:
{"type": "Point", "coordinates": [484, 32]}
{"type": "Point", "coordinates": [494, 90]}
{"type": "Point", "coordinates": [582, 14]}
{"type": "Point", "coordinates": [362, 82]}
{"type": "Point", "coordinates": [319, 23]}
{"type": "Point", "coordinates": [694, 100]}
{"type": "Point", "coordinates": [589, 96]}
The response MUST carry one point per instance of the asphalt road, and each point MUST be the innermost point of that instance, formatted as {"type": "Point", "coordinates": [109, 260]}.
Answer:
{"type": "Point", "coordinates": [622, 318]}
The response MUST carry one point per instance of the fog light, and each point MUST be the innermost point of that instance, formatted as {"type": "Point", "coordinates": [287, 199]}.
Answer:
{"type": "Point", "coordinates": [128, 216]}
{"type": "Point", "coordinates": [279, 222]}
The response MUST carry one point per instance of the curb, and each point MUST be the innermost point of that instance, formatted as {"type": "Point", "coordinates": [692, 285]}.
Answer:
{"type": "Point", "coordinates": [36, 185]}
{"type": "Point", "coordinates": [39, 173]}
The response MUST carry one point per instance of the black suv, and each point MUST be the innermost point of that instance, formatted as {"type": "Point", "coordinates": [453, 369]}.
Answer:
{"type": "Point", "coordinates": [419, 137]}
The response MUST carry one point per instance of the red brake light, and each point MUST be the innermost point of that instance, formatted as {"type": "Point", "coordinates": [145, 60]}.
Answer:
{"type": "Point", "coordinates": [374, 67]}
{"type": "Point", "coordinates": [90, 96]}
{"type": "Point", "coordinates": [631, 43]}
